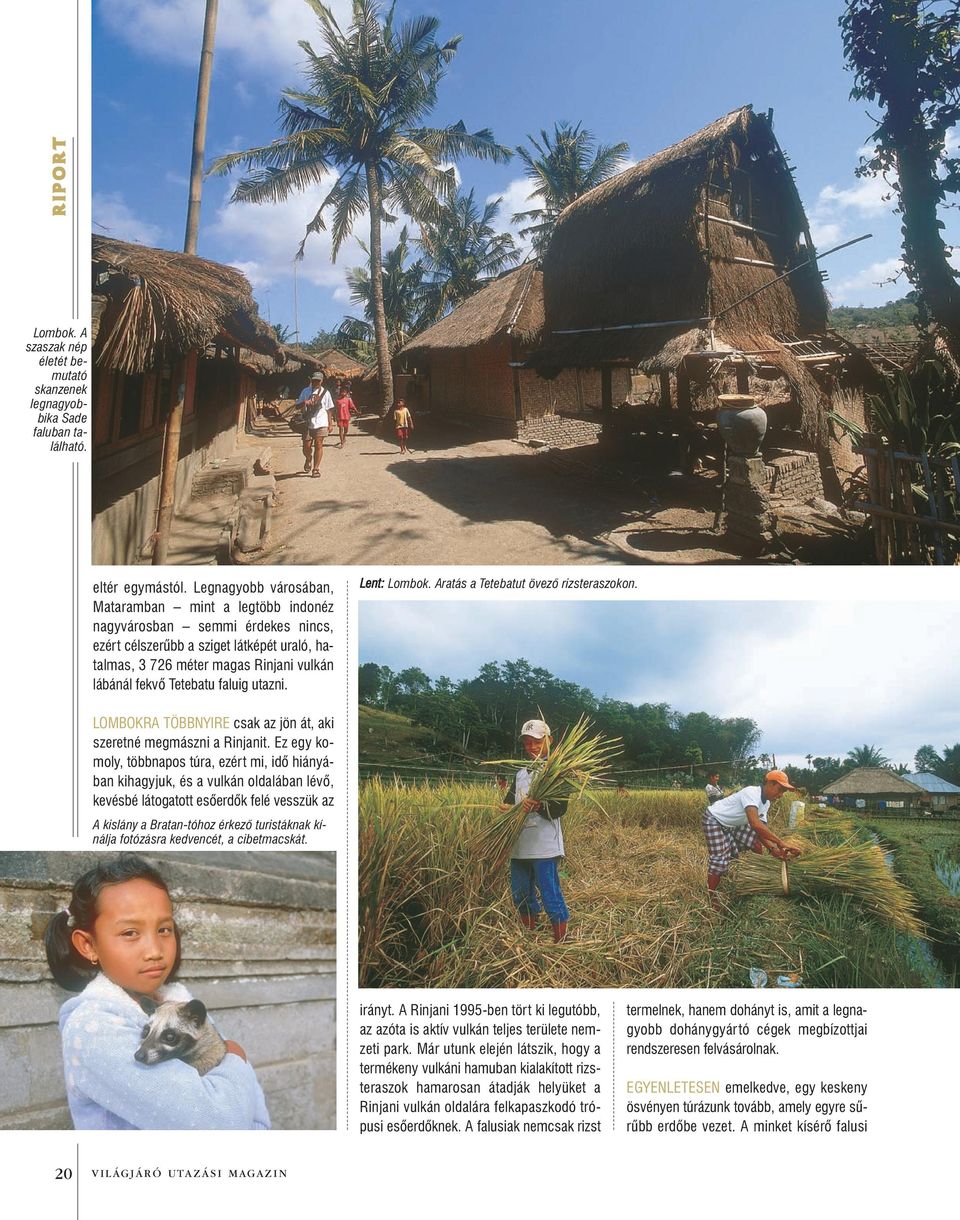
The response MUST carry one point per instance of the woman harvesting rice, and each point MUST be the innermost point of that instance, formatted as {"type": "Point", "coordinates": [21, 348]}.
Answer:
{"type": "Point", "coordinates": [538, 849]}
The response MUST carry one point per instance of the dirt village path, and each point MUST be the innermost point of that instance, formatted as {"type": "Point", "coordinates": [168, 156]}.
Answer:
{"type": "Point", "coordinates": [456, 499]}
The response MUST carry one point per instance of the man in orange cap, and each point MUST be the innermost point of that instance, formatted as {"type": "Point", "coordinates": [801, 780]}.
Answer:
{"type": "Point", "coordinates": [738, 823]}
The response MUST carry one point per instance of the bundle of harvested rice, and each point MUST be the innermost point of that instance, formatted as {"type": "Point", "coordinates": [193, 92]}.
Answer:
{"type": "Point", "coordinates": [564, 774]}
{"type": "Point", "coordinates": [851, 867]}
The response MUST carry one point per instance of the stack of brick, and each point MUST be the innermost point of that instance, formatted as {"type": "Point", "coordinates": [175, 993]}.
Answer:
{"type": "Point", "coordinates": [559, 430]}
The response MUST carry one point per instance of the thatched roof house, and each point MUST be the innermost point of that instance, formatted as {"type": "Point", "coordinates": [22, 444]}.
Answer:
{"type": "Point", "coordinates": [165, 304]}
{"type": "Point", "coordinates": [175, 335]}
{"type": "Point", "coordinates": [510, 306]}
{"type": "Point", "coordinates": [466, 360]}
{"type": "Point", "coordinates": [871, 786]}
{"type": "Point", "coordinates": [677, 241]}
{"type": "Point", "coordinates": [334, 361]}
{"type": "Point", "coordinates": [659, 267]}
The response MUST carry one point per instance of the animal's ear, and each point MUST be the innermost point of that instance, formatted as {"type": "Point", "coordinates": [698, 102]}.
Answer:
{"type": "Point", "coordinates": [148, 1005]}
{"type": "Point", "coordinates": [195, 1012]}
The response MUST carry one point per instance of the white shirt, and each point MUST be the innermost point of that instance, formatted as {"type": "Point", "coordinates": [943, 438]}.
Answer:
{"type": "Point", "coordinates": [317, 413]}
{"type": "Point", "coordinates": [732, 810]}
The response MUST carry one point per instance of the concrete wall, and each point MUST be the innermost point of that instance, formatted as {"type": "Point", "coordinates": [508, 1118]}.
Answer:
{"type": "Point", "coordinates": [258, 934]}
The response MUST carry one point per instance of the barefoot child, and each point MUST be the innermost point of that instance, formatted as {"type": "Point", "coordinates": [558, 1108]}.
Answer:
{"type": "Point", "coordinates": [115, 944]}
{"type": "Point", "coordinates": [402, 423]}
{"type": "Point", "coordinates": [538, 850]}
{"type": "Point", "coordinates": [345, 408]}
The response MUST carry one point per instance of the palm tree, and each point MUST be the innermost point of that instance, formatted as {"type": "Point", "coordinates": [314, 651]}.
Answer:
{"type": "Point", "coordinates": [867, 756]}
{"type": "Point", "coordinates": [403, 293]}
{"type": "Point", "coordinates": [360, 117]}
{"type": "Point", "coordinates": [461, 250]}
{"type": "Point", "coordinates": [563, 168]}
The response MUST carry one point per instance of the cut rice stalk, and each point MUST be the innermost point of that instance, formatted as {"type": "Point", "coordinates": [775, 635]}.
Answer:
{"type": "Point", "coordinates": [573, 763]}
{"type": "Point", "coordinates": [854, 868]}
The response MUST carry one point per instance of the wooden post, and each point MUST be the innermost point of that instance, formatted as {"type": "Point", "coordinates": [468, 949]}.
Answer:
{"type": "Point", "coordinates": [684, 409]}
{"type": "Point", "coordinates": [743, 377]}
{"type": "Point", "coordinates": [168, 476]}
{"type": "Point", "coordinates": [665, 397]}
{"type": "Point", "coordinates": [606, 388]}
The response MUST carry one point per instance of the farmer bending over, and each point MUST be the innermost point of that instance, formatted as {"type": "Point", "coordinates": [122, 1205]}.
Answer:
{"type": "Point", "coordinates": [538, 849]}
{"type": "Point", "coordinates": [737, 823]}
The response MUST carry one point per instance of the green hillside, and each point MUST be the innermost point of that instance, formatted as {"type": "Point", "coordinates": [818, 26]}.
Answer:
{"type": "Point", "coordinates": [388, 739]}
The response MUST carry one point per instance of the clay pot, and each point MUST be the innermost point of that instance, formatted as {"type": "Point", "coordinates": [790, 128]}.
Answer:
{"type": "Point", "coordinates": [742, 423]}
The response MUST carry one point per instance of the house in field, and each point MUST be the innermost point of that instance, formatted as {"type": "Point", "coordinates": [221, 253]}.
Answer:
{"type": "Point", "coordinates": [467, 366]}
{"type": "Point", "coordinates": [696, 267]}
{"type": "Point", "coordinates": [941, 794]}
{"type": "Point", "coordinates": [167, 327]}
{"type": "Point", "coordinates": [877, 789]}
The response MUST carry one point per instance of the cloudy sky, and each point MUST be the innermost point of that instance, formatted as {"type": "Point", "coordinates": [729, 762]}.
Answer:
{"type": "Point", "coordinates": [819, 678]}
{"type": "Point", "coordinates": [645, 71]}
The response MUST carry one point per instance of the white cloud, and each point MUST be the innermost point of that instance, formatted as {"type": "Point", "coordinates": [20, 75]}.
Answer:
{"type": "Point", "coordinates": [870, 197]}
{"type": "Point", "coordinates": [262, 34]}
{"type": "Point", "coordinates": [871, 277]}
{"type": "Point", "coordinates": [826, 233]}
{"type": "Point", "coordinates": [112, 215]}
{"type": "Point", "coordinates": [515, 198]}
{"type": "Point", "coordinates": [262, 240]}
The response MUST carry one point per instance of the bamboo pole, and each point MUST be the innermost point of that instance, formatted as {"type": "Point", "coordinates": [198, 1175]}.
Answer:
{"type": "Point", "coordinates": [174, 425]}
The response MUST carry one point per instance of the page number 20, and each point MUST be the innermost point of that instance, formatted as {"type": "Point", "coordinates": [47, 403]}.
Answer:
{"type": "Point", "coordinates": [63, 1175]}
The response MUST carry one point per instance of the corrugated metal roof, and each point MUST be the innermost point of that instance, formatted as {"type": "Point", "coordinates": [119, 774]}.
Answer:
{"type": "Point", "coordinates": [932, 783]}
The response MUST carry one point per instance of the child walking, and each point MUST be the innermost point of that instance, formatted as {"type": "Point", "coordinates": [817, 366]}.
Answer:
{"type": "Point", "coordinates": [402, 423]}
{"type": "Point", "coordinates": [115, 945]}
{"type": "Point", "coordinates": [345, 408]}
{"type": "Point", "coordinates": [538, 850]}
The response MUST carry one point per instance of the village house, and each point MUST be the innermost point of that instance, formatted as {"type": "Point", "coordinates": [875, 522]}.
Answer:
{"type": "Point", "coordinates": [673, 268]}
{"type": "Point", "coordinates": [467, 366]}
{"type": "Point", "coordinates": [877, 789]}
{"type": "Point", "coordinates": [166, 327]}
{"type": "Point", "coordinates": [941, 794]}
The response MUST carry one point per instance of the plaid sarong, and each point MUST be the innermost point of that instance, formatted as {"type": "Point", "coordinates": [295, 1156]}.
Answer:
{"type": "Point", "coordinates": [725, 843]}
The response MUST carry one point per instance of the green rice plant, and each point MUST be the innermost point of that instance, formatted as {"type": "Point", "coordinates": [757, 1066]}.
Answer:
{"type": "Point", "coordinates": [575, 760]}
{"type": "Point", "coordinates": [850, 867]}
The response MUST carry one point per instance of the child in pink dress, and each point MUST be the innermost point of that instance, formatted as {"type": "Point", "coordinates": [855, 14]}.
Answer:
{"type": "Point", "coordinates": [345, 408]}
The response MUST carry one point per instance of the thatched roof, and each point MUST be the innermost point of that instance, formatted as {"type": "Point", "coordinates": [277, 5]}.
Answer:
{"type": "Point", "coordinates": [641, 249]}
{"type": "Point", "coordinates": [872, 781]}
{"type": "Point", "coordinates": [163, 304]}
{"type": "Point", "coordinates": [332, 360]}
{"type": "Point", "coordinates": [512, 304]}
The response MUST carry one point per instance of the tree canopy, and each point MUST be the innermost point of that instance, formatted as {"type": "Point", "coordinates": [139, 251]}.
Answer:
{"type": "Point", "coordinates": [562, 166]}
{"type": "Point", "coordinates": [905, 59]}
{"type": "Point", "coordinates": [360, 119]}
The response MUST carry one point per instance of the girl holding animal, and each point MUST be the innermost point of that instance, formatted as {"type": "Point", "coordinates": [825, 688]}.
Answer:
{"type": "Point", "coordinates": [117, 946]}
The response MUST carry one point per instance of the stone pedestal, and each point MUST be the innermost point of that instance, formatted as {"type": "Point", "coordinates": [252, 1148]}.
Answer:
{"type": "Point", "coordinates": [746, 500]}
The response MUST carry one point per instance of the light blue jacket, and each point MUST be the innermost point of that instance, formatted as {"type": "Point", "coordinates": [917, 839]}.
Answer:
{"type": "Point", "coordinates": [108, 1090]}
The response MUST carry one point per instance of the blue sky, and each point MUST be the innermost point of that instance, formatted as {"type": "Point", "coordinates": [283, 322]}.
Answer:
{"type": "Point", "coordinates": [818, 677]}
{"type": "Point", "coordinates": [645, 71]}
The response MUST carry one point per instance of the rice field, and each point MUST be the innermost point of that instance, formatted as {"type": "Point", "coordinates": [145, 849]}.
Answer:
{"type": "Point", "coordinates": [435, 908]}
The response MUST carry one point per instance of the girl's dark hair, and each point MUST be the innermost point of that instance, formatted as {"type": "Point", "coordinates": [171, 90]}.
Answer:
{"type": "Point", "coordinates": [69, 967]}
